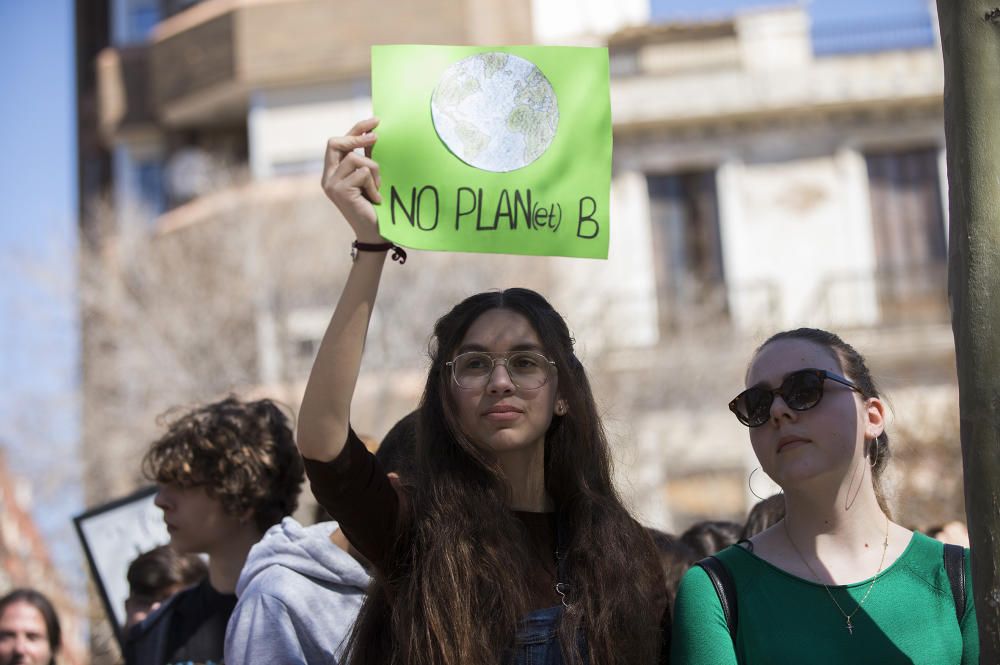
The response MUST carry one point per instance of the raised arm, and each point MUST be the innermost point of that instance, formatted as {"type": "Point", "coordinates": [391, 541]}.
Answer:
{"type": "Point", "coordinates": [351, 181]}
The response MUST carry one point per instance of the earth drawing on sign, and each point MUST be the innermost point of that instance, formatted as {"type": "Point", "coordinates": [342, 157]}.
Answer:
{"type": "Point", "coordinates": [495, 111]}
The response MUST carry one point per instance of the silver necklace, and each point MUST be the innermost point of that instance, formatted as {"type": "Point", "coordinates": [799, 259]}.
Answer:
{"type": "Point", "coordinates": [847, 617]}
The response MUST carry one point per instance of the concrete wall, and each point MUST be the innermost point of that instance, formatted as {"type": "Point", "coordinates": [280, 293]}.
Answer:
{"type": "Point", "coordinates": [287, 127]}
{"type": "Point", "coordinates": [584, 21]}
{"type": "Point", "coordinates": [795, 224]}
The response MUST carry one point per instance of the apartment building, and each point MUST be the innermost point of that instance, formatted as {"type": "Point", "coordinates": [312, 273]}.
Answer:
{"type": "Point", "coordinates": [765, 175]}
{"type": "Point", "coordinates": [25, 561]}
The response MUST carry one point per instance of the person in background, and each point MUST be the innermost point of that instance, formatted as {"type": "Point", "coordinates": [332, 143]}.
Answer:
{"type": "Point", "coordinates": [675, 559]}
{"type": "Point", "coordinates": [954, 532]}
{"type": "Point", "coordinates": [155, 576]}
{"type": "Point", "coordinates": [764, 514]}
{"type": "Point", "coordinates": [302, 587]}
{"type": "Point", "coordinates": [226, 473]}
{"type": "Point", "coordinates": [710, 536]}
{"type": "Point", "coordinates": [29, 629]}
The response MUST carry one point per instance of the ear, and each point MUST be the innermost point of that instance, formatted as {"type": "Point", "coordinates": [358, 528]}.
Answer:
{"type": "Point", "coordinates": [874, 418]}
{"type": "Point", "coordinates": [560, 408]}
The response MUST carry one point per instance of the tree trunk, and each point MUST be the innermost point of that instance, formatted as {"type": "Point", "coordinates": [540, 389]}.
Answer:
{"type": "Point", "coordinates": [970, 39]}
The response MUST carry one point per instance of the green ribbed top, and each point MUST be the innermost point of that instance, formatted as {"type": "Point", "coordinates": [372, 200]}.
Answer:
{"type": "Point", "coordinates": [909, 618]}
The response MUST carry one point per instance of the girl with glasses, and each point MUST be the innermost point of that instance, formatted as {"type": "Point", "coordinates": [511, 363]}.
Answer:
{"type": "Point", "coordinates": [835, 581]}
{"type": "Point", "coordinates": [509, 543]}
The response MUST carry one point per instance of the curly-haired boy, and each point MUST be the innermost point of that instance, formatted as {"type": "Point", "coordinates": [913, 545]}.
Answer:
{"type": "Point", "coordinates": [226, 473]}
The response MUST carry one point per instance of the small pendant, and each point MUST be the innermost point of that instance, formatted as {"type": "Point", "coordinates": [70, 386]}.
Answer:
{"type": "Point", "coordinates": [850, 627]}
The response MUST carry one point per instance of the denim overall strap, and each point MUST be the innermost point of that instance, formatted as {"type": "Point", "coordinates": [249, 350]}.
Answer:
{"type": "Point", "coordinates": [563, 586]}
{"type": "Point", "coordinates": [537, 641]}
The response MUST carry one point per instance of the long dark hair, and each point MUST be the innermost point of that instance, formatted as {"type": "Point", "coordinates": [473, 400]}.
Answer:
{"type": "Point", "coordinates": [853, 366]}
{"type": "Point", "coordinates": [457, 586]}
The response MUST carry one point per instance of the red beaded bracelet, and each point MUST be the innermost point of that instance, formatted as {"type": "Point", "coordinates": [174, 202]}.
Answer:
{"type": "Point", "coordinates": [398, 253]}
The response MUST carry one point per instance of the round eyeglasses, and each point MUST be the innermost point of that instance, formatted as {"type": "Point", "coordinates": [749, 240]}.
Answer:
{"type": "Point", "coordinates": [801, 390]}
{"type": "Point", "coordinates": [528, 370]}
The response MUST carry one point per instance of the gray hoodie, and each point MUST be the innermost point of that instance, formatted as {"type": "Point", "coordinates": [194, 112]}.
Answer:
{"type": "Point", "coordinates": [298, 597]}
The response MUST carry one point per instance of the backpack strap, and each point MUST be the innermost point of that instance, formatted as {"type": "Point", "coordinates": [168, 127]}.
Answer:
{"type": "Point", "coordinates": [725, 587]}
{"type": "Point", "coordinates": [954, 565]}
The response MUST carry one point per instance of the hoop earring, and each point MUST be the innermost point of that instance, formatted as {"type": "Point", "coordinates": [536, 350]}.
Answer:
{"type": "Point", "coordinates": [750, 483]}
{"type": "Point", "coordinates": [874, 452]}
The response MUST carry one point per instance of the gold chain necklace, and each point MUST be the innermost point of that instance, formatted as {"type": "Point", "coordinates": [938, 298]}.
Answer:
{"type": "Point", "coordinates": [847, 617]}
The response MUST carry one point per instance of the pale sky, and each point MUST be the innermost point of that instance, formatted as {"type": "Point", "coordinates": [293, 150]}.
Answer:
{"type": "Point", "coordinates": [38, 341]}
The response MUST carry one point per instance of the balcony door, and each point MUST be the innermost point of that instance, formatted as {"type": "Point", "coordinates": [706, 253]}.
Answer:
{"type": "Point", "coordinates": [908, 225]}
{"type": "Point", "coordinates": [687, 251]}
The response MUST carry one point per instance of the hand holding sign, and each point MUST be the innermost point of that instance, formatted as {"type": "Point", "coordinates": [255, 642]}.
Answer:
{"type": "Point", "coordinates": [351, 180]}
{"type": "Point", "coordinates": [501, 149]}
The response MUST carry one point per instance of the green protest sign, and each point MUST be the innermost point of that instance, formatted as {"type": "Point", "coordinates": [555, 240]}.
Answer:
{"type": "Point", "coordinates": [494, 149]}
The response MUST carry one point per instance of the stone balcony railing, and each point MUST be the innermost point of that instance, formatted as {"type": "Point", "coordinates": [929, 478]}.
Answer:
{"type": "Point", "coordinates": [889, 80]}
{"type": "Point", "coordinates": [204, 62]}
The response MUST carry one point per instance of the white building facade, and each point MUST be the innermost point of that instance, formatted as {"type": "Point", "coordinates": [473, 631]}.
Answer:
{"type": "Point", "coordinates": [756, 186]}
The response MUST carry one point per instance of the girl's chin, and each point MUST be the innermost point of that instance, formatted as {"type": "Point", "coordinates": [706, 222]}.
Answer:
{"type": "Point", "coordinates": [796, 476]}
{"type": "Point", "coordinates": [506, 441]}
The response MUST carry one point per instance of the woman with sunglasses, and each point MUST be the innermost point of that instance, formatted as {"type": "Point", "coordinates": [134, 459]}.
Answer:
{"type": "Point", "coordinates": [836, 581]}
{"type": "Point", "coordinates": [508, 544]}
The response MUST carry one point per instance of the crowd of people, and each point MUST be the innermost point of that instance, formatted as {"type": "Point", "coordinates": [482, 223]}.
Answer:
{"type": "Point", "coordinates": [486, 527]}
